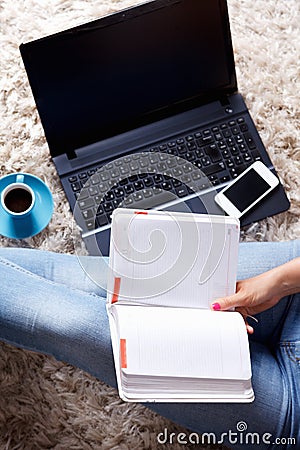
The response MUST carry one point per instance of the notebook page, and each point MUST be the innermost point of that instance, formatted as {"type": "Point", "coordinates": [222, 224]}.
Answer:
{"type": "Point", "coordinates": [177, 261]}
{"type": "Point", "coordinates": [179, 342]}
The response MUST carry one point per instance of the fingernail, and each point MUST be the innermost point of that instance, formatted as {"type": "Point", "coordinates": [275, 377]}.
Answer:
{"type": "Point", "coordinates": [216, 306]}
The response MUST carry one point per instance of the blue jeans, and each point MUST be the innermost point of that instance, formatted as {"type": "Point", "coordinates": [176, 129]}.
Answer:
{"type": "Point", "coordinates": [48, 304]}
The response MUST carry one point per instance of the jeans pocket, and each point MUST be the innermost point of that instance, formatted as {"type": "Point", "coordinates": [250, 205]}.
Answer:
{"type": "Point", "coordinates": [297, 352]}
{"type": "Point", "coordinates": [292, 351]}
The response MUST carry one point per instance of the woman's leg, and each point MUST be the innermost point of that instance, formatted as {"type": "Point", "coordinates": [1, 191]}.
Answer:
{"type": "Point", "coordinates": [86, 273]}
{"type": "Point", "coordinates": [72, 325]}
{"type": "Point", "coordinates": [259, 257]}
{"type": "Point", "coordinates": [48, 304]}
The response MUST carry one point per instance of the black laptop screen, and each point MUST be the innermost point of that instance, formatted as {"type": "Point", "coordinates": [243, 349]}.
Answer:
{"type": "Point", "coordinates": [129, 69]}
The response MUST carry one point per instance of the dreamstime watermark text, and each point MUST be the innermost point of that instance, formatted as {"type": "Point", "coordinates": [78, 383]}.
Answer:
{"type": "Point", "coordinates": [239, 436]}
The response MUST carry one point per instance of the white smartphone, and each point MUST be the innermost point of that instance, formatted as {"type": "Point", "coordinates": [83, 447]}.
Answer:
{"type": "Point", "coordinates": [247, 190]}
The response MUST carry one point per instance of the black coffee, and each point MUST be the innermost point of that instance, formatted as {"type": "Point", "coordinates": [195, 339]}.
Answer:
{"type": "Point", "coordinates": [18, 200]}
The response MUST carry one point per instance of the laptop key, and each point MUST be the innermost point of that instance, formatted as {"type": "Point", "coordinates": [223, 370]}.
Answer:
{"type": "Point", "coordinates": [124, 170]}
{"type": "Point", "coordinates": [88, 214]}
{"type": "Point", "coordinates": [213, 152]}
{"type": "Point", "coordinates": [196, 175]}
{"type": "Point", "coordinates": [128, 189]}
{"type": "Point", "coordinates": [128, 201]}
{"type": "Point", "coordinates": [108, 207]}
{"type": "Point", "coordinates": [213, 168]}
{"type": "Point", "coordinates": [249, 140]}
{"type": "Point", "coordinates": [95, 179]}
{"type": "Point", "coordinates": [229, 163]}
{"type": "Point", "coordinates": [181, 149]}
{"type": "Point", "coordinates": [100, 210]}
{"type": "Point", "coordinates": [237, 170]}
{"type": "Point", "coordinates": [137, 196]}
{"type": "Point", "coordinates": [205, 141]}
{"type": "Point", "coordinates": [93, 190]}
{"type": "Point", "coordinates": [244, 127]}
{"type": "Point", "coordinates": [90, 225]}
{"type": "Point", "coordinates": [176, 182]}
{"type": "Point", "coordinates": [234, 151]}
{"type": "Point", "coordinates": [119, 192]}
{"type": "Point", "coordinates": [138, 185]}
{"type": "Point", "coordinates": [103, 187]}
{"type": "Point", "coordinates": [82, 195]}
{"type": "Point", "coordinates": [181, 191]}
{"type": "Point", "coordinates": [76, 186]}
{"type": "Point", "coordinates": [177, 172]}
{"type": "Point", "coordinates": [256, 155]}
{"type": "Point", "coordinates": [247, 157]}
{"type": "Point", "coordinates": [104, 176]}
{"type": "Point", "coordinates": [198, 164]}
{"type": "Point", "coordinates": [205, 161]}
{"type": "Point", "coordinates": [190, 156]}
{"type": "Point", "coordinates": [166, 185]}
{"type": "Point", "coordinates": [239, 139]}
{"type": "Point", "coordinates": [158, 178]}
{"type": "Point", "coordinates": [187, 168]}
{"type": "Point", "coordinates": [134, 166]}
{"type": "Point", "coordinates": [191, 145]}
{"type": "Point", "coordinates": [102, 220]}
{"type": "Point", "coordinates": [238, 160]}
{"type": "Point", "coordinates": [147, 193]}
{"type": "Point", "coordinates": [224, 179]}
{"type": "Point", "coordinates": [109, 196]}
{"type": "Point", "coordinates": [115, 173]}
{"type": "Point", "coordinates": [87, 203]}
{"type": "Point", "coordinates": [171, 144]}
{"type": "Point", "coordinates": [148, 181]}
{"type": "Point", "coordinates": [226, 133]}
{"type": "Point", "coordinates": [189, 138]}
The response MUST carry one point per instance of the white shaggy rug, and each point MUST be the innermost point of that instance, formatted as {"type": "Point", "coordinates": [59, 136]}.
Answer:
{"type": "Point", "coordinates": [49, 404]}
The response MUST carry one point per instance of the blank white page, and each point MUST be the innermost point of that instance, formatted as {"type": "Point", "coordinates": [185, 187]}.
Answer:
{"type": "Point", "coordinates": [184, 342]}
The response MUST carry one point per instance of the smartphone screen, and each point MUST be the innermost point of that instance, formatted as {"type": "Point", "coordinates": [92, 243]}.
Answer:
{"type": "Point", "coordinates": [247, 190]}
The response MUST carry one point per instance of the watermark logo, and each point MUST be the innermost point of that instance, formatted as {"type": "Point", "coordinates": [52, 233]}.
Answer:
{"type": "Point", "coordinates": [241, 426]}
{"type": "Point", "coordinates": [147, 171]}
{"type": "Point", "coordinates": [241, 435]}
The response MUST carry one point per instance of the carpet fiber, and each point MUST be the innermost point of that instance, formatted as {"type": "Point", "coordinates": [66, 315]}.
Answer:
{"type": "Point", "coordinates": [49, 404]}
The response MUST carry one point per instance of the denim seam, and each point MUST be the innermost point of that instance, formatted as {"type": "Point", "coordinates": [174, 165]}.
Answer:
{"type": "Point", "coordinates": [20, 269]}
{"type": "Point", "coordinates": [289, 347]}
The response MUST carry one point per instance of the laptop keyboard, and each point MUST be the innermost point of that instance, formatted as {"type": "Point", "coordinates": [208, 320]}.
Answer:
{"type": "Point", "coordinates": [165, 172]}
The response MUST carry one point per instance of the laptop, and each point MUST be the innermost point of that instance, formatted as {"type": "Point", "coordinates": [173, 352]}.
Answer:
{"type": "Point", "coordinates": [141, 109]}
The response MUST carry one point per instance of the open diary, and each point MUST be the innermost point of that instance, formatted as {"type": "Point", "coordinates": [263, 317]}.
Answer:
{"type": "Point", "coordinates": [166, 269]}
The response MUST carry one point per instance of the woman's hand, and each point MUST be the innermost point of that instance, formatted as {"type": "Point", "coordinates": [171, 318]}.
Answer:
{"type": "Point", "coordinates": [259, 293]}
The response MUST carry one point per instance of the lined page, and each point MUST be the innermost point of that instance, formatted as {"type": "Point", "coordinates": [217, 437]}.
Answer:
{"type": "Point", "coordinates": [176, 260]}
{"type": "Point", "coordinates": [180, 342]}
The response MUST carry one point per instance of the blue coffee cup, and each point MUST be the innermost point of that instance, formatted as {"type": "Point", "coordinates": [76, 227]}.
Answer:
{"type": "Point", "coordinates": [26, 205]}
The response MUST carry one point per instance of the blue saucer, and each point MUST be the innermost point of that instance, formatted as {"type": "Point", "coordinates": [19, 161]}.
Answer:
{"type": "Point", "coordinates": [39, 216]}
